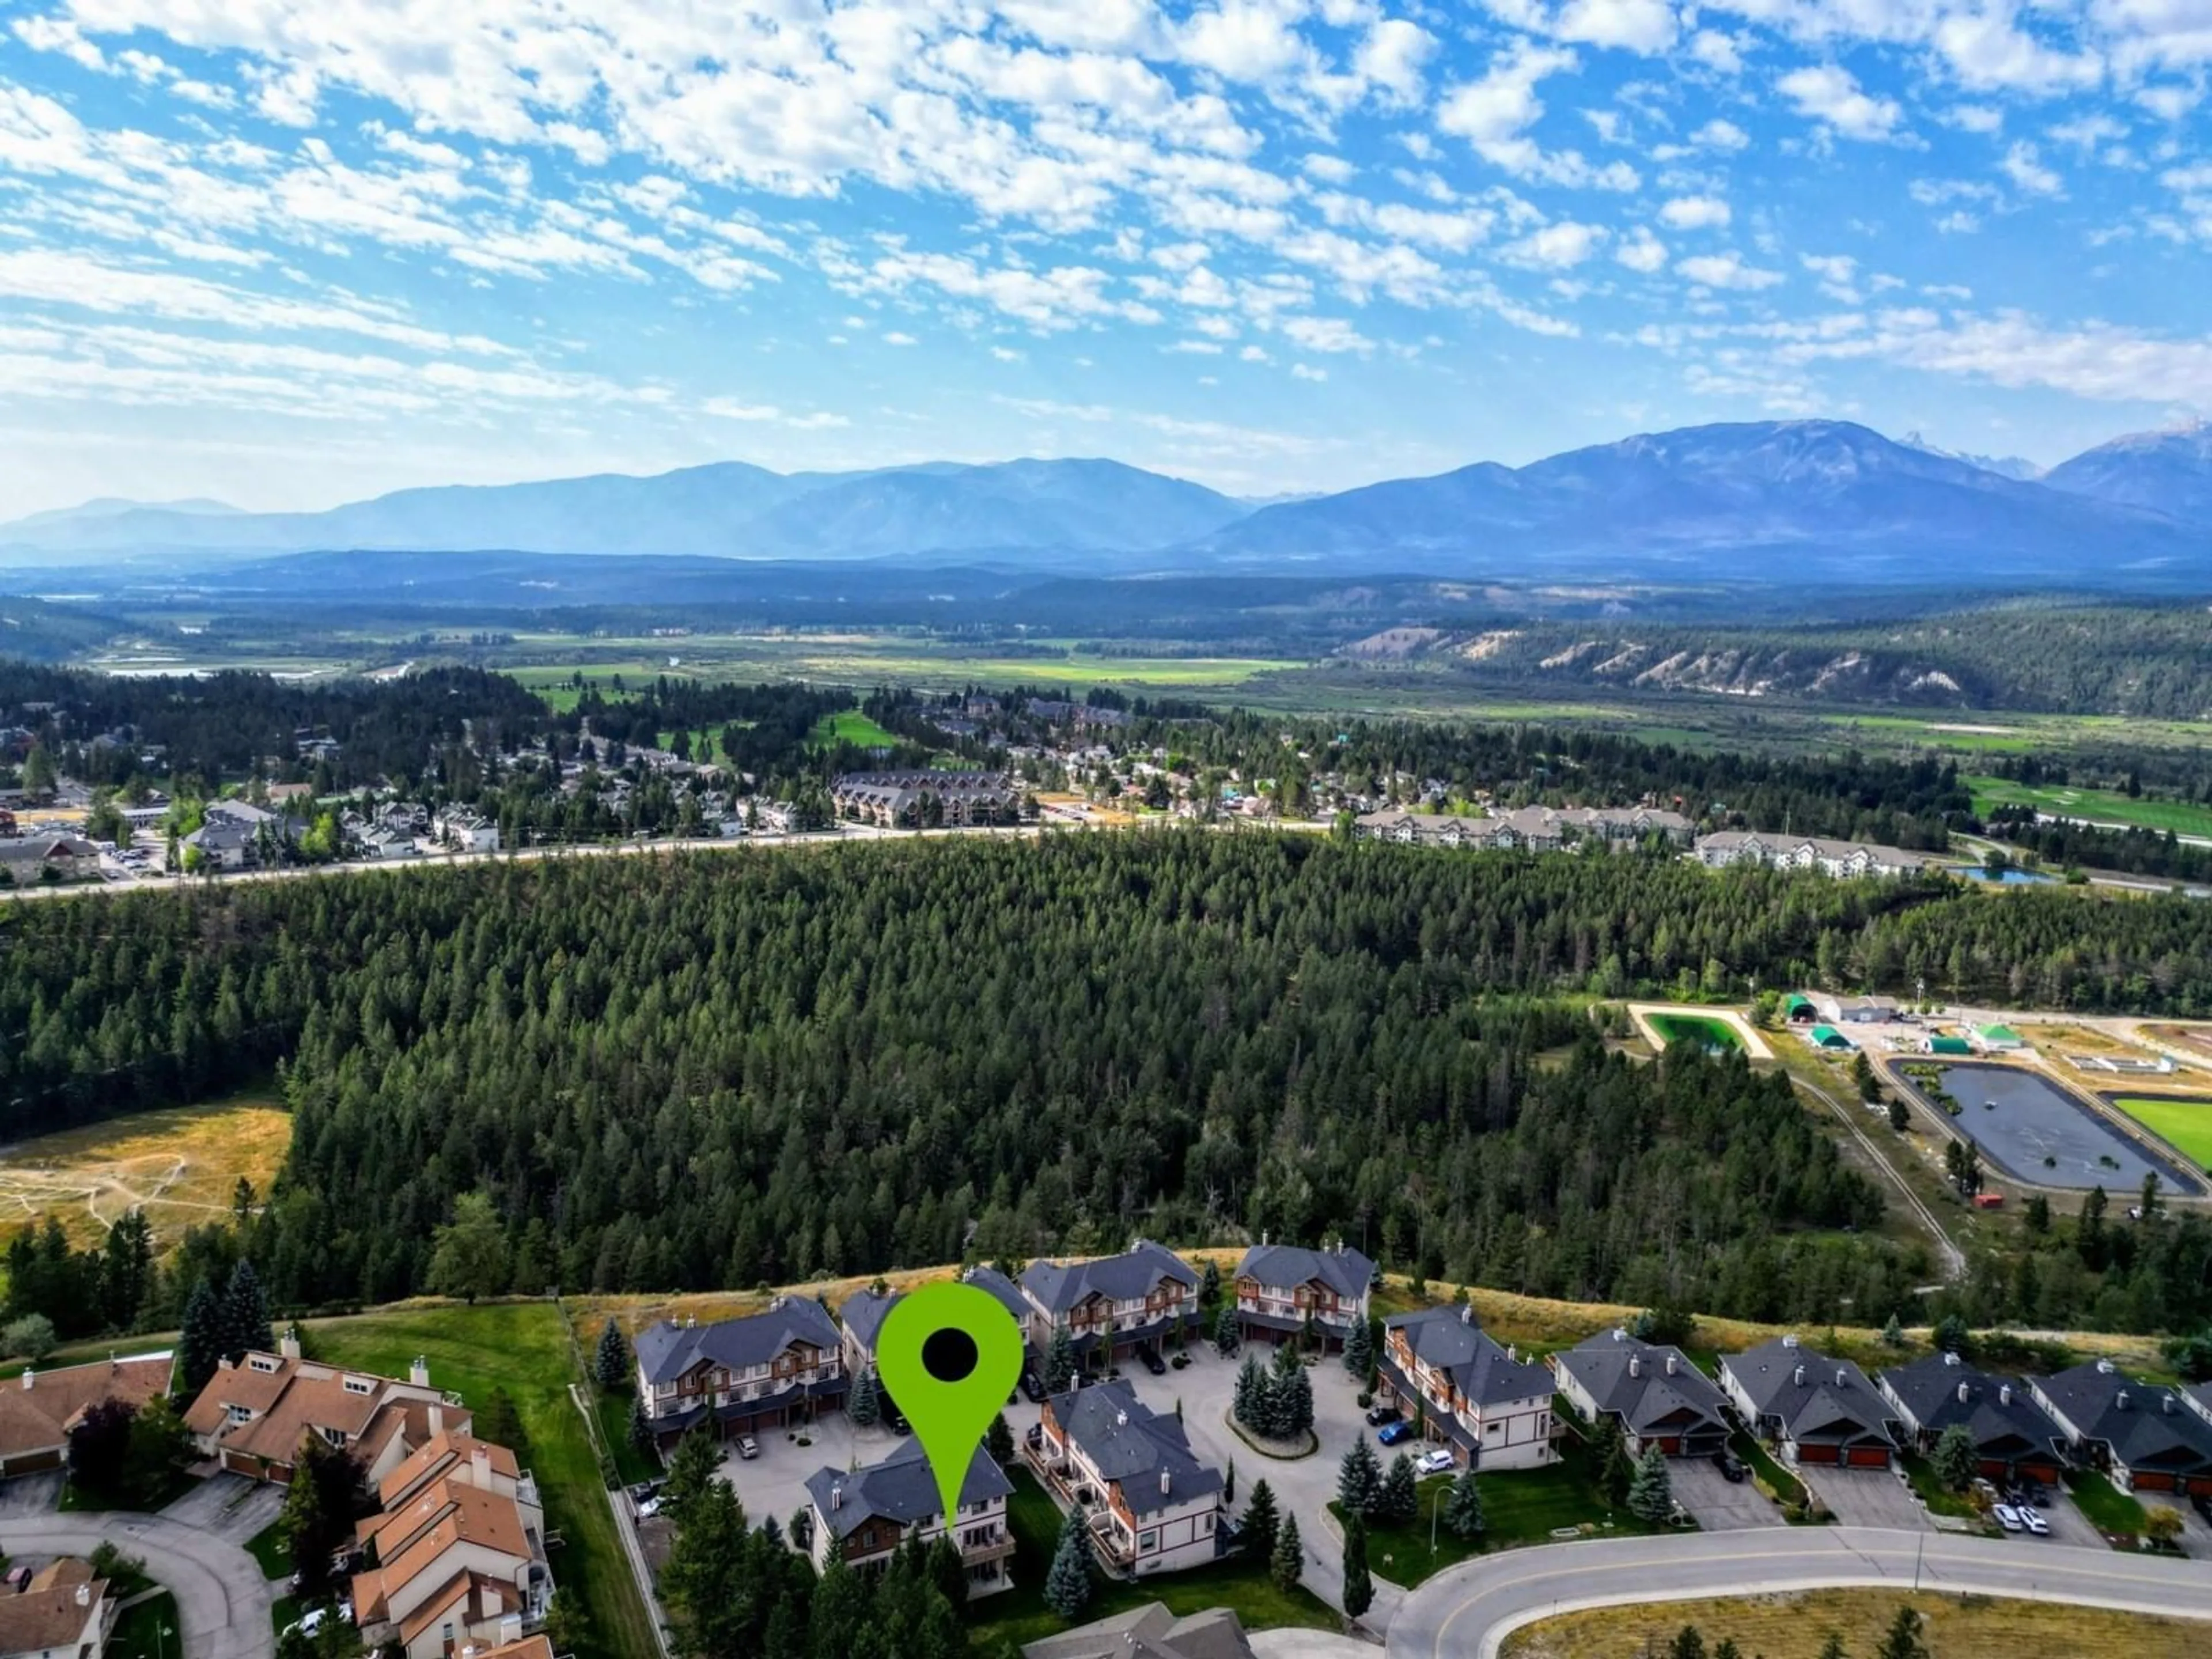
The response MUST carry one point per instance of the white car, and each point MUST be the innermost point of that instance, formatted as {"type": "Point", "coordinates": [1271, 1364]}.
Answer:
{"type": "Point", "coordinates": [312, 1620]}
{"type": "Point", "coordinates": [2033, 1521]}
{"type": "Point", "coordinates": [2008, 1517]}
{"type": "Point", "coordinates": [649, 1509]}
{"type": "Point", "coordinates": [1433, 1462]}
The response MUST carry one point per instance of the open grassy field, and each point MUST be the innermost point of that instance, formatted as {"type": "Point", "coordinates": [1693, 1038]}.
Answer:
{"type": "Point", "coordinates": [854, 727]}
{"type": "Point", "coordinates": [180, 1165]}
{"type": "Point", "coordinates": [2184, 1124]}
{"type": "Point", "coordinates": [1795, 1626]}
{"type": "Point", "coordinates": [522, 1347]}
{"type": "Point", "coordinates": [2096, 805]}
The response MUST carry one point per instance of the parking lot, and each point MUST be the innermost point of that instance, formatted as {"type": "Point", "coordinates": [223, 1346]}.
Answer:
{"type": "Point", "coordinates": [774, 1483]}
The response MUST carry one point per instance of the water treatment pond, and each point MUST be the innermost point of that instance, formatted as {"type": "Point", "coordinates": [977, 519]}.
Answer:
{"type": "Point", "coordinates": [1715, 1036]}
{"type": "Point", "coordinates": [2037, 1131]}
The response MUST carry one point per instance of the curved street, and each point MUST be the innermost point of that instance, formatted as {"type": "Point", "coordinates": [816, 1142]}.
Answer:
{"type": "Point", "coordinates": [223, 1601]}
{"type": "Point", "coordinates": [1467, 1610]}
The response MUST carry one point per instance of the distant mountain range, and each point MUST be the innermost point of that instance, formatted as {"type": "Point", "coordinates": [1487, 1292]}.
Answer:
{"type": "Point", "coordinates": [1762, 500]}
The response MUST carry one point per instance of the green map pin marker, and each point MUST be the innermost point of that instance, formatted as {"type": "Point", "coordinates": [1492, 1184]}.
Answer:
{"type": "Point", "coordinates": [949, 1353]}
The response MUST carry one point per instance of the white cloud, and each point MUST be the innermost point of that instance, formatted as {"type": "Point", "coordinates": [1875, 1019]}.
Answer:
{"type": "Point", "coordinates": [1828, 93]}
{"type": "Point", "coordinates": [1694, 213]}
{"type": "Point", "coordinates": [1642, 252]}
{"type": "Point", "coordinates": [1327, 334]}
{"type": "Point", "coordinates": [1716, 51]}
{"type": "Point", "coordinates": [897, 339]}
{"type": "Point", "coordinates": [1717, 134]}
{"type": "Point", "coordinates": [1644, 26]}
{"type": "Point", "coordinates": [1726, 270]}
{"type": "Point", "coordinates": [1558, 245]}
{"type": "Point", "coordinates": [1302, 371]}
{"type": "Point", "coordinates": [1493, 115]}
{"type": "Point", "coordinates": [1392, 57]}
{"type": "Point", "coordinates": [2022, 167]}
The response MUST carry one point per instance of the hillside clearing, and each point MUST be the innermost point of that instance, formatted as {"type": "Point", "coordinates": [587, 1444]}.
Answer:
{"type": "Point", "coordinates": [181, 1165]}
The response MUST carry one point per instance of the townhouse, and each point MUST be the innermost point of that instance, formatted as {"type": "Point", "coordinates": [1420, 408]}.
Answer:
{"type": "Point", "coordinates": [2014, 1438]}
{"type": "Point", "coordinates": [914, 799]}
{"type": "Point", "coordinates": [1492, 1408]}
{"type": "Point", "coordinates": [1112, 1305]}
{"type": "Point", "coordinates": [466, 831]}
{"type": "Point", "coordinates": [252, 1416]}
{"type": "Point", "coordinates": [743, 1376]}
{"type": "Point", "coordinates": [460, 1548]}
{"type": "Point", "coordinates": [1285, 1290]}
{"type": "Point", "coordinates": [2144, 1436]}
{"type": "Point", "coordinates": [1725, 848]}
{"type": "Point", "coordinates": [1658, 1397]}
{"type": "Point", "coordinates": [1149, 1505]}
{"type": "Point", "coordinates": [1529, 829]}
{"type": "Point", "coordinates": [38, 1410]}
{"type": "Point", "coordinates": [861, 1316]}
{"type": "Point", "coordinates": [1817, 1410]}
{"type": "Point", "coordinates": [863, 1515]}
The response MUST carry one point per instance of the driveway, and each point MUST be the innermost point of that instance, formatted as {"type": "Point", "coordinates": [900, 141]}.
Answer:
{"type": "Point", "coordinates": [30, 1494]}
{"type": "Point", "coordinates": [1867, 1497]}
{"type": "Point", "coordinates": [1467, 1610]}
{"type": "Point", "coordinates": [1718, 1503]}
{"type": "Point", "coordinates": [229, 1507]}
{"type": "Point", "coordinates": [222, 1603]}
{"type": "Point", "coordinates": [774, 1483]}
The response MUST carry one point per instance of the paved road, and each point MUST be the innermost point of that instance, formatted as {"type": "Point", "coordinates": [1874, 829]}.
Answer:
{"type": "Point", "coordinates": [1467, 1612]}
{"type": "Point", "coordinates": [223, 1601]}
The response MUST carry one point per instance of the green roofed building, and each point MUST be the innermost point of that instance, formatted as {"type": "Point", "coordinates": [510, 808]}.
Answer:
{"type": "Point", "coordinates": [1999, 1038]}
{"type": "Point", "coordinates": [1797, 1006]}
{"type": "Point", "coordinates": [1949, 1045]}
{"type": "Point", "coordinates": [1827, 1037]}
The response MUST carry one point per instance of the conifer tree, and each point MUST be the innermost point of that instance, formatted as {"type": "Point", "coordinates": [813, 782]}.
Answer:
{"type": "Point", "coordinates": [1399, 1498]}
{"type": "Point", "coordinates": [1359, 1351]}
{"type": "Point", "coordinates": [1953, 1458]}
{"type": "Point", "coordinates": [1226, 1338]}
{"type": "Point", "coordinates": [1209, 1285]}
{"type": "Point", "coordinates": [610, 1364]}
{"type": "Point", "coordinates": [1652, 1491]}
{"type": "Point", "coordinates": [1261, 1522]}
{"type": "Point", "coordinates": [1359, 1588]}
{"type": "Point", "coordinates": [999, 1440]}
{"type": "Point", "coordinates": [1463, 1507]}
{"type": "Point", "coordinates": [1358, 1479]}
{"type": "Point", "coordinates": [200, 1346]}
{"type": "Point", "coordinates": [1067, 1583]}
{"type": "Point", "coordinates": [246, 1315]}
{"type": "Point", "coordinates": [1251, 1389]}
{"type": "Point", "coordinates": [863, 1405]}
{"type": "Point", "coordinates": [1286, 1562]}
{"type": "Point", "coordinates": [1060, 1360]}
{"type": "Point", "coordinates": [640, 1426]}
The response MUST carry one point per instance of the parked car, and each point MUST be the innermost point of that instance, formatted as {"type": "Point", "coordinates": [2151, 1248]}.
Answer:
{"type": "Point", "coordinates": [1433, 1462]}
{"type": "Point", "coordinates": [1392, 1433]}
{"type": "Point", "coordinates": [2033, 1521]}
{"type": "Point", "coordinates": [748, 1448]}
{"type": "Point", "coordinates": [1732, 1466]}
{"type": "Point", "coordinates": [312, 1620]}
{"type": "Point", "coordinates": [649, 1509]}
{"type": "Point", "coordinates": [645, 1489]}
{"type": "Point", "coordinates": [2008, 1517]}
{"type": "Point", "coordinates": [1151, 1357]}
{"type": "Point", "coordinates": [1378, 1415]}
{"type": "Point", "coordinates": [1033, 1386]}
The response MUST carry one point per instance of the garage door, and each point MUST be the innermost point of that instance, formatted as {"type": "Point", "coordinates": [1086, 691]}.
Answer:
{"type": "Point", "coordinates": [1819, 1453]}
{"type": "Point", "coordinates": [2151, 1482]}
{"type": "Point", "coordinates": [1869, 1457]}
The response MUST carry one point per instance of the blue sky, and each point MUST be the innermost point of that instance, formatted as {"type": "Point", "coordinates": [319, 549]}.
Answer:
{"type": "Point", "coordinates": [290, 253]}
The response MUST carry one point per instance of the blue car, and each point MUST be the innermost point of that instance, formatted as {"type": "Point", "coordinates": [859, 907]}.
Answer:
{"type": "Point", "coordinates": [1391, 1433]}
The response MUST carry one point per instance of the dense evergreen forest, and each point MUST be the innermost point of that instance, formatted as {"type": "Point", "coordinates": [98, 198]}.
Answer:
{"type": "Point", "coordinates": [712, 1070]}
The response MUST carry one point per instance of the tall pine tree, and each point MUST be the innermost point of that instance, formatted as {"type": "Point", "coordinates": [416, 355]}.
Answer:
{"type": "Point", "coordinates": [1286, 1562]}
{"type": "Point", "coordinates": [1261, 1522]}
{"type": "Point", "coordinates": [246, 1315]}
{"type": "Point", "coordinates": [1463, 1507]}
{"type": "Point", "coordinates": [1359, 1588]}
{"type": "Point", "coordinates": [610, 1364]}
{"type": "Point", "coordinates": [1358, 1479]}
{"type": "Point", "coordinates": [1067, 1582]}
{"type": "Point", "coordinates": [205, 1336]}
{"type": "Point", "coordinates": [1652, 1491]}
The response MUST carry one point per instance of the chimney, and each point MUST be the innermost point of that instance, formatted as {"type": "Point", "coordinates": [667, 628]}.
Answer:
{"type": "Point", "coordinates": [2120, 1401]}
{"type": "Point", "coordinates": [27, 1375]}
{"type": "Point", "coordinates": [1797, 1376]}
{"type": "Point", "coordinates": [1790, 1341]}
{"type": "Point", "coordinates": [836, 1497]}
{"type": "Point", "coordinates": [1466, 1313]}
{"type": "Point", "coordinates": [480, 1466]}
{"type": "Point", "coordinates": [84, 1595]}
{"type": "Point", "coordinates": [418, 1371]}
{"type": "Point", "coordinates": [1964, 1393]}
{"type": "Point", "coordinates": [1636, 1364]}
{"type": "Point", "coordinates": [2104, 1368]}
{"type": "Point", "coordinates": [437, 1419]}
{"type": "Point", "coordinates": [2004, 1394]}
{"type": "Point", "coordinates": [1843, 1376]}
{"type": "Point", "coordinates": [1619, 1334]}
{"type": "Point", "coordinates": [1121, 1419]}
{"type": "Point", "coordinates": [288, 1347]}
{"type": "Point", "coordinates": [1165, 1480]}
{"type": "Point", "coordinates": [2165, 1404]}
{"type": "Point", "coordinates": [1950, 1358]}
{"type": "Point", "coordinates": [1670, 1365]}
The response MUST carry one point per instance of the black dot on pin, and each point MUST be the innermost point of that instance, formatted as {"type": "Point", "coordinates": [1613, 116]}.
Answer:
{"type": "Point", "coordinates": [949, 1354]}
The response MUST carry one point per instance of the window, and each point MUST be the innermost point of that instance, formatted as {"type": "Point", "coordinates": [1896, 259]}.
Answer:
{"type": "Point", "coordinates": [1147, 1542]}
{"type": "Point", "coordinates": [359, 1385]}
{"type": "Point", "coordinates": [241, 1413]}
{"type": "Point", "coordinates": [1205, 1525]}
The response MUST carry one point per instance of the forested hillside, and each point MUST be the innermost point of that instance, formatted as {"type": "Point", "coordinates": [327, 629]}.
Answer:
{"type": "Point", "coordinates": [723, 1069]}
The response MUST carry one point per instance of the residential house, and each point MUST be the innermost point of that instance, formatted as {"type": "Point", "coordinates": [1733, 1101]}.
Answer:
{"type": "Point", "coordinates": [1490, 1407]}
{"type": "Point", "coordinates": [1286, 1289]}
{"type": "Point", "coordinates": [384, 843]}
{"type": "Point", "coordinates": [913, 800]}
{"type": "Point", "coordinates": [37, 1412]}
{"type": "Point", "coordinates": [221, 845]}
{"type": "Point", "coordinates": [1112, 1305]}
{"type": "Point", "coordinates": [252, 1416]}
{"type": "Point", "coordinates": [863, 1515]}
{"type": "Point", "coordinates": [28, 859]}
{"type": "Point", "coordinates": [1148, 1633]}
{"type": "Point", "coordinates": [64, 1612]}
{"type": "Point", "coordinates": [859, 1320]}
{"type": "Point", "coordinates": [2014, 1438]}
{"type": "Point", "coordinates": [1838, 858]}
{"type": "Point", "coordinates": [530, 1647]}
{"type": "Point", "coordinates": [1148, 1503]}
{"type": "Point", "coordinates": [1816, 1409]}
{"type": "Point", "coordinates": [2144, 1435]}
{"type": "Point", "coordinates": [1658, 1397]}
{"type": "Point", "coordinates": [466, 832]}
{"type": "Point", "coordinates": [780, 1365]}
{"type": "Point", "coordinates": [460, 1550]}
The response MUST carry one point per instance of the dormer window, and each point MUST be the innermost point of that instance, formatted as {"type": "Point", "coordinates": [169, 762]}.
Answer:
{"type": "Point", "coordinates": [336, 1437]}
{"type": "Point", "coordinates": [241, 1413]}
{"type": "Point", "coordinates": [359, 1385]}
{"type": "Point", "coordinates": [262, 1364]}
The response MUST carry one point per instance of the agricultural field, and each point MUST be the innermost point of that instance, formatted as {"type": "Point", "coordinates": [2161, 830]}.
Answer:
{"type": "Point", "coordinates": [2183, 1123]}
{"type": "Point", "coordinates": [180, 1165]}
{"type": "Point", "coordinates": [2092, 806]}
{"type": "Point", "coordinates": [1796, 1625]}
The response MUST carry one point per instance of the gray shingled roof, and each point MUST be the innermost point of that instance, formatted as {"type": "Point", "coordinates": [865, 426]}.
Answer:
{"type": "Point", "coordinates": [1123, 1278]}
{"type": "Point", "coordinates": [1929, 1388]}
{"type": "Point", "coordinates": [2147, 1426]}
{"type": "Point", "coordinates": [1122, 1439]}
{"type": "Point", "coordinates": [1009, 1293]}
{"type": "Point", "coordinates": [1650, 1397]}
{"type": "Point", "coordinates": [1343, 1270]}
{"type": "Point", "coordinates": [862, 1315]}
{"type": "Point", "coordinates": [901, 1488]}
{"type": "Point", "coordinates": [1816, 1398]}
{"type": "Point", "coordinates": [1148, 1633]}
{"type": "Point", "coordinates": [667, 1351]}
{"type": "Point", "coordinates": [1444, 1339]}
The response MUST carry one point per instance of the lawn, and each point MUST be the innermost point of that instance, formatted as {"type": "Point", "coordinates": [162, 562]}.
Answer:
{"type": "Point", "coordinates": [2108, 1509]}
{"type": "Point", "coordinates": [2095, 806]}
{"type": "Point", "coordinates": [179, 1165]}
{"type": "Point", "coordinates": [148, 1631]}
{"type": "Point", "coordinates": [852, 726]}
{"type": "Point", "coordinates": [1931, 1491]}
{"type": "Point", "coordinates": [1521, 1506]}
{"type": "Point", "coordinates": [523, 1348]}
{"type": "Point", "coordinates": [630, 1463]}
{"type": "Point", "coordinates": [1786, 1487]}
{"type": "Point", "coordinates": [1796, 1624]}
{"type": "Point", "coordinates": [267, 1548]}
{"type": "Point", "coordinates": [1019, 1614]}
{"type": "Point", "coordinates": [2186, 1125]}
